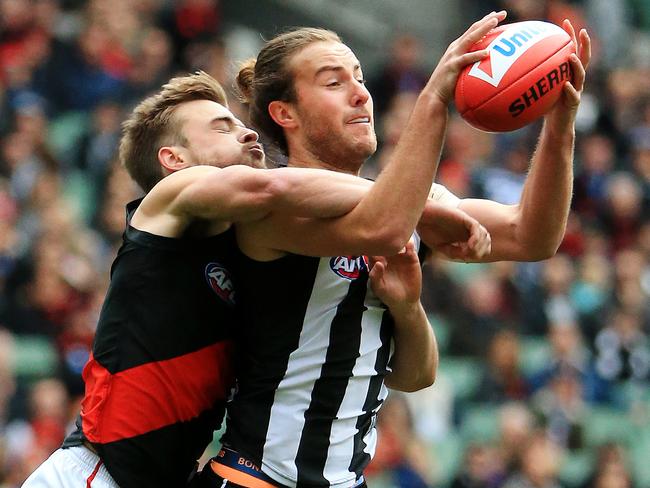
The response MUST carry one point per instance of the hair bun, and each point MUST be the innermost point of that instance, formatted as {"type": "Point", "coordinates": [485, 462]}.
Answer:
{"type": "Point", "coordinates": [244, 80]}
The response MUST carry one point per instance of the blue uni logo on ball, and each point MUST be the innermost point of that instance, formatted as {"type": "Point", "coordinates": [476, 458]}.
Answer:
{"type": "Point", "coordinates": [220, 281]}
{"type": "Point", "coordinates": [508, 46]}
{"type": "Point", "coordinates": [349, 267]}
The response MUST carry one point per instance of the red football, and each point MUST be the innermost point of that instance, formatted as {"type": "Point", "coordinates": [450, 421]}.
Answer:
{"type": "Point", "coordinates": [520, 79]}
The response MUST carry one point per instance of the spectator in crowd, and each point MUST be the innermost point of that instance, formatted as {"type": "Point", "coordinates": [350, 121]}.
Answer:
{"type": "Point", "coordinates": [641, 165]}
{"type": "Point", "coordinates": [561, 404]}
{"type": "Point", "coordinates": [81, 75]}
{"type": "Point", "coordinates": [401, 73]}
{"type": "Point", "coordinates": [539, 463]}
{"type": "Point", "coordinates": [516, 425]}
{"type": "Point", "coordinates": [504, 184]}
{"type": "Point", "coordinates": [30, 441]}
{"type": "Point", "coordinates": [591, 291]}
{"type": "Point", "coordinates": [596, 160]}
{"type": "Point", "coordinates": [502, 378]}
{"type": "Point", "coordinates": [401, 455]}
{"type": "Point", "coordinates": [97, 146]}
{"type": "Point", "coordinates": [610, 469]}
{"type": "Point", "coordinates": [557, 277]}
{"type": "Point", "coordinates": [622, 350]}
{"type": "Point", "coordinates": [621, 216]}
{"type": "Point", "coordinates": [189, 23]}
{"type": "Point", "coordinates": [154, 65]}
{"type": "Point", "coordinates": [9, 240]}
{"type": "Point", "coordinates": [630, 267]}
{"type": "Point", "coordinates": [480, 318]}
{"type": "Point", "coordinates": [399, 111]}
{"type": "Point", "coordinates": [7, 382]}
{"type": "Point", "coordinates": [569, 356]}
{"type": "Point", "coordinates": [479, 468]}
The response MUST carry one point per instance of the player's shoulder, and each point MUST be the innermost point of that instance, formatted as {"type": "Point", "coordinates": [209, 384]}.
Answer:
{"type": "Point", "coordinates": [184, 185]}
{"type": "Point", "coordinates": [162, 198]}
{"type": "Point", "coordinates": [169, 187]}
{"type": "Point", "coordinates": [179, 179]}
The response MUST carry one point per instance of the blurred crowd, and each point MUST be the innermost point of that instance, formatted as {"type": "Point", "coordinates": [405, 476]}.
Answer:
{"type": "Point", "coordinates": [545, 367]}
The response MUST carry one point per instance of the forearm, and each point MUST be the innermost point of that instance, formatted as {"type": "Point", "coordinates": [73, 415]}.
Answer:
{"type": "Point", "coordinates": [533, 229]}
{"type": "Point", "coordinates": [546, 199]}
{"type": "Point", "coordinates": [316, 193]}
{"type": "Point", "coordinates": [544, 207]}
{"type": "Point", "coordinates": [545, 203]}
{"type": "Point", "coordinates": [415, 360]}
{"type": "Point", "coordinates": [440, 223]}
{"type": "Point", "coordinates": [396, 201]}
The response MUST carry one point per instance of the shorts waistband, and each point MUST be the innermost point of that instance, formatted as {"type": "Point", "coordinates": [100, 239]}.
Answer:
{"type": "Point", "coordinates": [89, 446]}
{"type": "Point", "coordinates": [89, 460]}
{"type": "Point", "coordinates": [231, 465]}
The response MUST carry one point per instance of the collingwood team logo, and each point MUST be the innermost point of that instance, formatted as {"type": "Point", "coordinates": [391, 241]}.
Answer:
{"type": "Point", "coordinates": [220, 281]}
{"type": "Point", "coordinates": [349, 267]}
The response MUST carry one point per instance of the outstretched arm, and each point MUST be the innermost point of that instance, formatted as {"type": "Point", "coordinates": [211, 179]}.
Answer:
{"type": "Point", "coordinates": [397, 281]}
{"type": "Point", "coordinates": [241, 193]}
{"type": "Point", "coordinates": [533, 229]}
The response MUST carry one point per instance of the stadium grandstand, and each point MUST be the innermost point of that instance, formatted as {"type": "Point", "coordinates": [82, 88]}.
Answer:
{"type": "Point", "coordinates": [544, 375]}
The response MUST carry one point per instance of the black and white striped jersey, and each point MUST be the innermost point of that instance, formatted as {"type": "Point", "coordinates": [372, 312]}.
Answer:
{"type": "Point", "coordinates": [315, 345]}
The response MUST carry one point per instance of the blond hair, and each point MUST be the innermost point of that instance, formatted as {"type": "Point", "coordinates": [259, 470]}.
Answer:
{"type": "Point", "coordinates": [267, 78]}
{"type": "Point", "coordinates": [152, 125]}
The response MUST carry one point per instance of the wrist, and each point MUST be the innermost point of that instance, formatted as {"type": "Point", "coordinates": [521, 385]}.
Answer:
{"type": "Point", "coordinates": [560, 127]}
{"type": "Point", "coordinates": [406, 312]}
{"type": "Point", "coordinates": [434, 102]}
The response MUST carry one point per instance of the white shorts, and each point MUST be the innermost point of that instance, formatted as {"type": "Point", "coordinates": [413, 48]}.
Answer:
{"type": "Point", "coordinates": [74, 467]}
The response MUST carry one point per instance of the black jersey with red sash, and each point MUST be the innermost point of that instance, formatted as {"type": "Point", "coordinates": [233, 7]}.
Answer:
{"type": "Point", "coordinates": [160, 369]}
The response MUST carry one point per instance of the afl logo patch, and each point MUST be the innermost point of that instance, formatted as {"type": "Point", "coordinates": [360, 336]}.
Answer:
{"type": "Point", "coordinates": [219, 280]}
{"type": "Point", "coordinates": [349, 267]}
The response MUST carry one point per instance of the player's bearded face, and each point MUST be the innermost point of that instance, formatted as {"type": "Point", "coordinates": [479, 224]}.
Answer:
{"type": "Point", "coordinates": [330, 139]}
{"type": "Point", "coordinates": [334, 108]}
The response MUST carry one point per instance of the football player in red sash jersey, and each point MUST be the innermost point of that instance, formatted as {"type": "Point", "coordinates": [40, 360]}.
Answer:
{"type": "Point", "coordinates": [161, 367]}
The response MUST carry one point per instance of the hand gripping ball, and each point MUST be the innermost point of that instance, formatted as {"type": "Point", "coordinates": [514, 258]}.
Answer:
{"type": "Point", "coordinates": [519, 81]}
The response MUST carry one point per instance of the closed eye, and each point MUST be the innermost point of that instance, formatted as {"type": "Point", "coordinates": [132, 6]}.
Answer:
{"type": "Point", "coordinates": [221, 126]}
{"type": "Point", "coordinates": [225, 125]}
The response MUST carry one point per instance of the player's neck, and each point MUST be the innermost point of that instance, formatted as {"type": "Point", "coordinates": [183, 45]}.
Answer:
{"type": "Point", "coordinates": [305, 159]}
{"type": "Point", "coordinates": [299, 163]}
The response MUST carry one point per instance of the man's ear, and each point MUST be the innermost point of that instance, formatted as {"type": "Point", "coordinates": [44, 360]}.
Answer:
{"type": "Point", "coordinates": [283, 114]}
{"type": "Point", "coordinates": [172, 158]}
